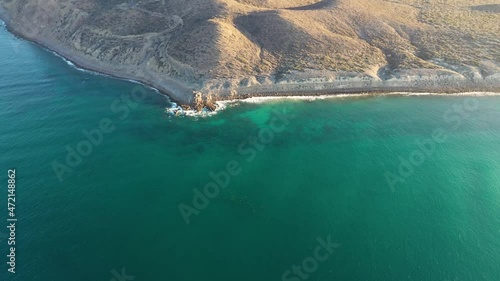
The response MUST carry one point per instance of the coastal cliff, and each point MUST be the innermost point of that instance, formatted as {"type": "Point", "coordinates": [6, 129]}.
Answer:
{"type": "Point", "coordinates": [201, 51]}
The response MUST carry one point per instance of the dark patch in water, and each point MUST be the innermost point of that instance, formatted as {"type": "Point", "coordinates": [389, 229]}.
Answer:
{"type": "Point", "coordinates": [200, 149]}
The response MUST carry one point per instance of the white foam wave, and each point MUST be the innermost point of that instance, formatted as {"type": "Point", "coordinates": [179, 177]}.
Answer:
{"type": "Point", "coordinates": [71, 64]}
{"type": "Point", "coordinates": [258, 100]}
{"type": "Point", "coordinates": [176, 110]}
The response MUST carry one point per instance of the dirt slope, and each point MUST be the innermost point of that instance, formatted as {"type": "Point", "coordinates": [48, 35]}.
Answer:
{"type": "Point", "coordinates": [217, 46]}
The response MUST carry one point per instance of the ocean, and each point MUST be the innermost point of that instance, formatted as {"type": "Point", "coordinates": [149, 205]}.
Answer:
{"type": "Point", "coordinates": [109, 187]}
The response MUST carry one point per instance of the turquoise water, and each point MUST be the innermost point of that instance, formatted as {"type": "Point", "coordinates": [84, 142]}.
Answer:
{"type": "Point", "coordinates": [323, 173]}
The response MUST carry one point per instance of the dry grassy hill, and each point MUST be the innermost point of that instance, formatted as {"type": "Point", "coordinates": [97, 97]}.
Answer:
{"type": "Point", "coordinates": [210, 45]}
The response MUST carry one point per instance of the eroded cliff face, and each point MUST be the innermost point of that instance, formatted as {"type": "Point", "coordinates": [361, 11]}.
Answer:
{"type": "Point", "coordinates": [222, 48]}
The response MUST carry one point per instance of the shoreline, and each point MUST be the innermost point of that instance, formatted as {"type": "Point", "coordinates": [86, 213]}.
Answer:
{"type": "Point", "coordinates": [222, 105]}
{"type": "Point", "coordinates": [445, 82]}
{"type": "Point", "coordinates": [363, 95]}
{"type": "Point", "coordinates": [258, 100]}
{"type": "Point", "coordinates": [176, 92]}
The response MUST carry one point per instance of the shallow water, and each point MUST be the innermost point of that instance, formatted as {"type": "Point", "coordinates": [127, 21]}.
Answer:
{"type": "Point", "coordinates": [319, 168]}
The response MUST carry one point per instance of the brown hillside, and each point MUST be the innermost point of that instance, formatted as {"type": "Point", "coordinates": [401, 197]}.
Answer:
{"type": "Point", "coordinates": [198, 40]}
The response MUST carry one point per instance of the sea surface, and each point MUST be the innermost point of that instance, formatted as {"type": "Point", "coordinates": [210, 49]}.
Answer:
{"type": "Point", "coordinates": [404, 187]}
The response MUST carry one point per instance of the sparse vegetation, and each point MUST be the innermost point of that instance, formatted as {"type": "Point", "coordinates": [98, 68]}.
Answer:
{"type": "Point", "coordinates": [237, 39]}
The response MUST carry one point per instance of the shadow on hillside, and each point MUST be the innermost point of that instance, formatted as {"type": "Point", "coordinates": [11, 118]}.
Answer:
{"type": "Point", "coordinates": [315, 6]}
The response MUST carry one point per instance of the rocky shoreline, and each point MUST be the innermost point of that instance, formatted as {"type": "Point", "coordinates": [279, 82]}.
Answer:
{"type": "Point", "coordinates": [206, 92]}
